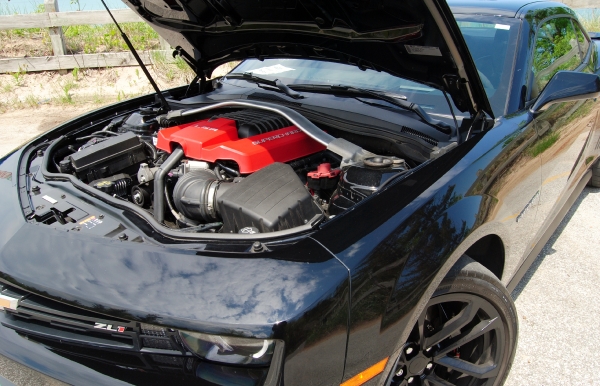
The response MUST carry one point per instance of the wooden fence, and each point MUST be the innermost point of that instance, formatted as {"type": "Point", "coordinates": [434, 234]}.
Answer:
{"type": "Point", "coordinates": [55, 20]}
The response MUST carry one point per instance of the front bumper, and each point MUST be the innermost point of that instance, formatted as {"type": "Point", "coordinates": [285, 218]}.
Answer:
{"type": "Point", "coordinates": [39, 359]}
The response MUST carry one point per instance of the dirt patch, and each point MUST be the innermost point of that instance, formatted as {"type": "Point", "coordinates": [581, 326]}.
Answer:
{"type": "Point", "coordinates": [20, 126]}
{"type": "Point", "coordinates": [24, 90]}
{"type": "Point", "coordinates": [32, 103]}
{"type": "Point", "coordinates": [91, 86]}
{"type": "Point", "coordinates": [36, 44]}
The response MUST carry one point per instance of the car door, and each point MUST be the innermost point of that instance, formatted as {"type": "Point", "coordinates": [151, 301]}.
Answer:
{"type": "Point", "coordinates": [564, 128]}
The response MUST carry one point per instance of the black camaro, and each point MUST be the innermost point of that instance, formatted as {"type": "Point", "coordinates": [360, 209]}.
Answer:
{"type": "Point", "coordinates": [350, 205]}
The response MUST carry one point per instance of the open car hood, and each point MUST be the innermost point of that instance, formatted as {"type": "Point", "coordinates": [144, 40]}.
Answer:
{"type": "Point", "coordinates": [414, 39]}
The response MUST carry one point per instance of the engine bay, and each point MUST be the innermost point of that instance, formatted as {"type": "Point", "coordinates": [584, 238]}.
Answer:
{"type": "Point", "coordinates": [238, 170]}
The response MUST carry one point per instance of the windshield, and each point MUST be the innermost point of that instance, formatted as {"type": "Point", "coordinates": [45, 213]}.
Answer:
{"type": "Point", "coordinates": [297, 71]}
{"type": "Point", "coordinates": [492, 41]}
{"type": "Point", "coordinates": [492, 45]}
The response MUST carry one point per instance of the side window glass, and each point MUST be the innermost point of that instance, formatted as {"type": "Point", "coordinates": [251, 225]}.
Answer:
{"type": "Point", "coordinates": [584, 44]}
{"type": "Point", "coordinates": [556, 49]}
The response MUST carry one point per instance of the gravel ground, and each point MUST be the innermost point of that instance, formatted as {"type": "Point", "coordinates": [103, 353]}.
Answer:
{"type": "Point", "coordinates": [558, 300]}
{"type": "Point", "coordinates": [23, 376]}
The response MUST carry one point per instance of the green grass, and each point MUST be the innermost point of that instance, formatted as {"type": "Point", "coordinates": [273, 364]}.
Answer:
{"type": "Point", "coordinates": [544, 144]}
{"type": "Point", "coordinates": [40, 36]}
{"type": "Point", "coordinates": [66, 88]}
{"type": "Point", "coordinates": [19, 76]}
{"type": "Point", "coordinates": [76, 74]}
{"type": "Point", "coordinates": [86, 39]}
{"type": "Point", "coordinates": [588, 160]}
{"type": "Point", "coordinates": [6, 87]}
{"type": "Point", "coordinates": [31, 101]}
{"type": "Point", "coordinates": [171, 70]}
{"type": "Point", "coordinates": [91, 39]}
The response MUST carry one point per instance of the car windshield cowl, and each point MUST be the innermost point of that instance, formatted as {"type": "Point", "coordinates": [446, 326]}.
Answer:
{"type": "Point", "coordinates": [393, 99]}
{"type": "Point", "coordinates": [259, 80]}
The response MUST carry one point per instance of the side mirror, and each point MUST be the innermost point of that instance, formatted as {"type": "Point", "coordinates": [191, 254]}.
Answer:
{"type": "Point", "coordinates": [567, 86]}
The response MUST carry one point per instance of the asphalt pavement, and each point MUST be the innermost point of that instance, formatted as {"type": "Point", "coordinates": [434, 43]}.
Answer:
{"type": "Point", "coordinates": [558, 303]}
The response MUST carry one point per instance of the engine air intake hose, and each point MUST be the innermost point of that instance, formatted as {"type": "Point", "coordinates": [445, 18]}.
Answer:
{"type": "Point", "coordinates": [159, 183]}
{"type": "Point", "coordinates": [195, 195]}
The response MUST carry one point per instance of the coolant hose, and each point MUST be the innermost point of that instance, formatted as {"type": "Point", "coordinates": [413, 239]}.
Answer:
{"type": "Point", "coordinates": [150, 147]}
{"type": "Point", "coordinates": [159, 183]}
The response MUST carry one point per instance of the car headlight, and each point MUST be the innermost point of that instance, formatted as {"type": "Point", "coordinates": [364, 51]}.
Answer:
{"type": "Point", "coordinates": [226, 349]}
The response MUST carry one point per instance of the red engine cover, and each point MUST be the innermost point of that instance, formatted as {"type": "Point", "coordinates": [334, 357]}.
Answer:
{"type": "Point", "coordinates": [218, 140]}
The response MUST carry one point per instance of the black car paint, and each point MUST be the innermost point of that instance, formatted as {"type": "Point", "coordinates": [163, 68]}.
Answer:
{"type": "Point", "coordinates": [512, 137]}
{"type": "Point", "coordinates": [393, 267]}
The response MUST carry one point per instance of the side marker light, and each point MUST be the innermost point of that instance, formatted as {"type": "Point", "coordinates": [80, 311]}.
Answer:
{"type": "Point", "coordinates": [367, 374]}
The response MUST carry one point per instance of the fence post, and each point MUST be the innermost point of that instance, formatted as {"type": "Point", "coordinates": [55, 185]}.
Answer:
{"type": "Point", "coordinates": [56, 34]}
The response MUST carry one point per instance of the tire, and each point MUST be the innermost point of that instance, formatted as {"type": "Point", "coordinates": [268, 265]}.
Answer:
{"type": "Point", "coordinates": [595, 180]}
{"type": "Point", "coordinates": [466, 335]}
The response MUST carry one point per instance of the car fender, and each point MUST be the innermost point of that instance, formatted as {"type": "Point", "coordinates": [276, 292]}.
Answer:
{"type": "Point", "coordinates": [461, 230]}
{"type": "Point", "coordinates": [461, 212]}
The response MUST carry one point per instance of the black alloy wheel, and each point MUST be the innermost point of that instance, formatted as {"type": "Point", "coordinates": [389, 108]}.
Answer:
{"type": "Point", "coordinates": [466, 335]}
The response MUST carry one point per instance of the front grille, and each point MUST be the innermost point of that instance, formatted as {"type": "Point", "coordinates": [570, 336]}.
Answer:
{"type": "Point", "coordinates": [157, 343]}
{"type": "Point", "coordinates": [141, 354]}
{"type": "Point", "coordinates": [47, 319]}
{"type": "Point", "coordinates": [167, 360]}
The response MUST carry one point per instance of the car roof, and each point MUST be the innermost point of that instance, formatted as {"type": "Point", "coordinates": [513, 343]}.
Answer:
{"type": "Point", "coordinates": [508, 8]}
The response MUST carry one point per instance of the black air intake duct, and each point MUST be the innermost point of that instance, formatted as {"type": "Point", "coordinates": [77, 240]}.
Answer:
{"type": "Point", "coordinates": [272, 199]}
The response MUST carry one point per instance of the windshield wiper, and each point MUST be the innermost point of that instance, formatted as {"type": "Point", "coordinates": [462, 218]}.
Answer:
{"type": "Point", "coordinates": [258, 80]}
{"type": "Point", "coordinates": [396, 100]}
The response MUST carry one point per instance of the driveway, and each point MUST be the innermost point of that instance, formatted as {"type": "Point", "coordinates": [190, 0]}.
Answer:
{"type": "Point", "coordinates": [558, 303]}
